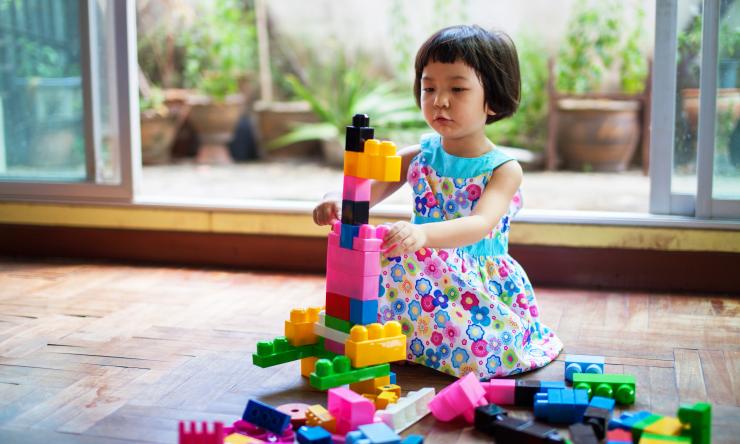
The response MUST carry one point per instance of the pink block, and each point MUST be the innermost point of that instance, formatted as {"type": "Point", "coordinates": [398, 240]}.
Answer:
{"type": "Point", "coordinates": [356, 188]}
{"type": "Point", "coordinates": [191, 435]}
{"type": "Point", "coordinates": [356, 287]}
{"type": "Point", "coordinates": [500, 391]}
{"type": "Point", "coordinates": [366, 240]}
{"type": "Point", "coordinates": [459, 398]}
{"type": "Point", "coordinates": [355, 263]}
{"type": "Point", "coordinates": [334, 346]}
{"type": "Point", "coordinates": [350, 409]}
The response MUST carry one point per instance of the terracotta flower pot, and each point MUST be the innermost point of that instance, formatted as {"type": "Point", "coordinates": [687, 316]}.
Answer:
{"type": "Point", "coordinates": [728, 99]}
{"type": "Point", "coordinates": [598, 135]}
{"type": "Point", "coordinates": [157, 136]}
{"type": "Point", "coordinates": [215, 123]}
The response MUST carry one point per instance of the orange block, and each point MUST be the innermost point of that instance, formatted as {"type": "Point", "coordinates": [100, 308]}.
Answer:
{"type": "Point", "coordinates": [317, 415]}
{"type": "Point", "coordinates": [375, 344]}
{"type": "Point", "coordinates": [299, 329]}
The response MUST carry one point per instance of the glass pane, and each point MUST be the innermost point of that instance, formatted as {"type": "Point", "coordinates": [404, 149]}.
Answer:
{"type": "Point", "coordinates": [688, 60]}
{"type": "Point", "coordinates": [726, 183]}
{"type": "Point", "coordinates": [41, 103]}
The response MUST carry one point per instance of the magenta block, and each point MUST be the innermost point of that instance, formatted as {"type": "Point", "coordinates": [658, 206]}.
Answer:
{"type": "Point", "coordinates": [459, 399]}
{"type": "Point", "coordinates": [356, 263]}
{"type": "Point", "coordinates": [353, 286]}
{"type": "Point", "coordinates": [367, 240]}
{"type": "Point", "coordinates": [333, 346]}
{"type": "Point", "coordinates": [356, 188]}
{"type": "Point", "coordinates": [500, 391]}
{"type": "Point", "coordinates": [350, 409]}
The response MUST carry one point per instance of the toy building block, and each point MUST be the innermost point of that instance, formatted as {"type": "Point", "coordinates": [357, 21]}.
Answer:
{"type": "Point", "coordinates": [516, 391]}
{"type": "Point", "coordinates": [390, 166]}
{"type": "Point", "coordinates": [357, 133]}
{"type": "Point", "coordinates": [356, 188]}
{"type": "Point", "coordinates": [307, 366]}
{"type": "Point", "coordinates": [321, 329]}
{"type": "Point", "coordinates": [337, 323]}
{"type": "Point", "coordinates": [375, 344]}
{"type": "Point", "coordinates": [265, 416]}
{"type": "Point", "coordinates": [348, 232]}
{"type": "Point", "coordinates": [507, 429]}
{"type": "Point", "coordinates": [383, 399]}
{"type": "Point", "coordinates": [621, 387]}
{"type": "Point", "coordinates": [377, 433]}
{"type": "Point", "coordinates": [370, 386]}
{"type": "Point", "coordinates": [317, 415]}
{"type": "Point", "coordinates": [698, 418]}
{"type": "Point", "coordinates": [582, 434]}
{"type": "Point", "coordinates": [313, 435]}
{"type": "Point", "coordinates": [639, 427]}
{"type": "Point", "coordinates": [627, 420]}
{"type": "Point", "coordinates": [260, 434]}
{"type": "Point", "coordinates": [191, 435]}
{"type": "Point", "coordinates": [459, 399]}
{"type": "Point", "coordinates": [486, 415]}
{"type": "Point", "coordinates": [238, 438]}
{"type": "Point", "coordinates": [337, 305]}
{"type": "Point", "coordinates": [279, 351]}
{"type": "Point", "coordinates": [652, 438]}
{"type": "Point", "coordinates": [363, 312]}
{"type": "Point", "coordinates": [618, 436]}
{"type": "Point", "coordinates": [338, 372]}
{"type": "Point", "coordinates": [334, 347]}
{"type": "Point", "coordinates": [407, 410]}
{"type": "Point", "coordinates": [583, 364]}
{"type": "Point", "coordinates": [356, 287]}
{"type": "Point", "coordinates": [297, 413]}
{"type": "Point", "coordinates": [355, 212]}
{"type": "Point", "coordinates": [367, 239]}
{"type": "Point", "coordinates": [598, 414]}
{"type": "Point", "coordinates": [299, 329]}
{"type": "Point", "coordinates": [561, 405]}
{"type": "Point", "coordinates": [413, 439]}
{"type": "Point", "coordinates": [350, 409]}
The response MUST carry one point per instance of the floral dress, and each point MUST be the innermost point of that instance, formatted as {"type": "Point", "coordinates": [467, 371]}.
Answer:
{"type": "Point", "coordinates": [469, 309]}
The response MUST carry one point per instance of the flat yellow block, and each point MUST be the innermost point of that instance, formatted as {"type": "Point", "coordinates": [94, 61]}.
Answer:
{"type": "Point", "coordinates": [665, 426]}
{"type": "Point", "coordinates": [370, 386]}
{"type": "Point", "coordinates": [317, 415]}
{"type": "Point", "coordinates": [375, 344]}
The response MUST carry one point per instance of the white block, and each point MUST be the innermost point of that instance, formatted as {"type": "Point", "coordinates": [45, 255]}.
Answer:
{"type": "Point", "coordinates": [408, 410]}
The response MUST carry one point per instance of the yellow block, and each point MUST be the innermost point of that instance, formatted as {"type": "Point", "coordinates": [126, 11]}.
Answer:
{"type": "Point", "coordinates": [375, 344]}
{"type": "Point", "coordinates": [351, 161]}
{"type": "Point", "coordinates": [385, 398]}
{"type": "Point", "coordinates": [390, 388]}
{"type": "Point", "coordinates": [237, 438]}
{"type": "Point", "coordinates": [665, 426]}
{"type": "Point", "coordinates": [317, 415]}
{"type": "Point", "coordinates": [370, 386]}
{"type": "Point", "coordinates": [299, 329]}
{"type": "Point", "coordinates": [391, 165]}
{"type": "Point", "coordinates": [307, 366]}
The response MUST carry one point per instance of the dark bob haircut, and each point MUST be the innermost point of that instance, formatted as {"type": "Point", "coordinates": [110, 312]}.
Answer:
{"type": "Point", "coordinates": [491, 54]}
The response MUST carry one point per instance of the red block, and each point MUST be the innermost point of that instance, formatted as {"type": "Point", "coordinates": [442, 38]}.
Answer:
{"type": "Point", "coordinates": [337, 306]}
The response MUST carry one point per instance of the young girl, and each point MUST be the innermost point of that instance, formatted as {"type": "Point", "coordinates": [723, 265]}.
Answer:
{"type": "Point", "coordinates": [465, 304]}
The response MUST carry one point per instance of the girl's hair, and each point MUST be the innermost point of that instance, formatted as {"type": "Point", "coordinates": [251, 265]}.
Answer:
{"type": "Point", "coordinates": [491, 54]}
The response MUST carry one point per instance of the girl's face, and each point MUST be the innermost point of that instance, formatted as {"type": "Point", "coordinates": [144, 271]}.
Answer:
{"type": "Point", "coordinates": [453, 100]}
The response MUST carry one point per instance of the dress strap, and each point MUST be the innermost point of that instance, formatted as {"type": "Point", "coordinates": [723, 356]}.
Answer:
{"type": "Point", "coordinates": [446, 164]}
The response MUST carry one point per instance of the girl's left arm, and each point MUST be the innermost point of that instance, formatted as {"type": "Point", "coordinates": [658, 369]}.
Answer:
{"type": "Point", "coordinates": [405, 237]}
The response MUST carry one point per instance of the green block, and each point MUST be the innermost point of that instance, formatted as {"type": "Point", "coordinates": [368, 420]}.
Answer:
{"type": "Point", "coordinates": [337, 324]}
{"type": "Point", "coordinates": [699, 419]}
{"type": "Point", "coordinates": [620, 387]}
{"type": "Point", "coordinates": [279, 351]}
{"type": "Point", "coordinates": [666, 438]}
{"type": "Point", "coordinates": [641, 425]}
{"type": "Point", "coordinates": [337, 372]}
{"type": "Point", "coordinates": [321, 352]}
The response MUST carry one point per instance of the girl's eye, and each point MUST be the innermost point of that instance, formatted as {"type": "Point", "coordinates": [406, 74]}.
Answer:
{"type": "Point", "coordinates": [458, 89]}
{"type": "Point", "coordinates": [428, 89]}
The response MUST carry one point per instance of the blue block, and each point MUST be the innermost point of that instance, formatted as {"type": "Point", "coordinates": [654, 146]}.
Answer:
{"type": "Point", "coordinates": [413, 439]}
{"type": "Point", "coordinates": [561, 405]}
{"type": "Point", "coordinates": [544, 385]}
{"type": "Point", "coordinates": [393, 377]}
{"type": "Point", "coordinates": [348, 233]}
{"type": "Point", "coordinates": [582, 364]}
{"type": "Point", "coordinates": [376, 433]}
{"type": "Point", "coordinates": [363, 312]}
{"type": "Point", "coordinates": [627, 420]}
{"type": "Point", "coordinates": [602, 403]}
{"type": "Point", "coordinates": [313, 435]}
{"type": "Point", "coordinates": [265, 416]}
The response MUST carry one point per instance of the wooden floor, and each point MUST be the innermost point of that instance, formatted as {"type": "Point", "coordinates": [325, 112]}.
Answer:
{"type": "Point", "coordinates": [98, 353]}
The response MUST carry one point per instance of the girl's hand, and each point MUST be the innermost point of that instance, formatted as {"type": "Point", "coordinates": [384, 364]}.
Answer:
{"type": "Point", "coordinates": [326, 212]}
{"type": "Point", "coordinates": [403, 237]}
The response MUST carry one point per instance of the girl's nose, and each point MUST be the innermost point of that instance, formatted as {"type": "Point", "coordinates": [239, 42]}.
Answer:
{"type": "Point", "coordinates": [440, 101]}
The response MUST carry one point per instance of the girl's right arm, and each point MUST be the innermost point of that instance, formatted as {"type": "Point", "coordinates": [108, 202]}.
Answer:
{"type": "Point", "coordinates": [328, 210]}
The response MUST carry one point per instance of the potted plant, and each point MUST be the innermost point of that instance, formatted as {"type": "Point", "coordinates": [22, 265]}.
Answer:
{"type": "Point", "coordinates": [219, 62]}
{"type": "Point", "coordinates": [159, 124]}
{"type": "Point", "coordinates": [339, 89]}
{"type": "Point", "coordinates": [596, 130]}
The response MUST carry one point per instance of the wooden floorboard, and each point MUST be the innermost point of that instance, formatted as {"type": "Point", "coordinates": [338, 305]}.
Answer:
{"type": "Point", "coordinates": [108, 353]}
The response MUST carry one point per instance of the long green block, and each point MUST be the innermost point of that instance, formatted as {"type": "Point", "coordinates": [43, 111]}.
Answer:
{"type": "Point", "coordinates": [337, 372]}
{"type": "Point", "coordinates": [699, 419]}
{"type": "Point", "coordinates": [279, 351]}
{"type": "Point", "coordinates": [337, 323]}
{"type": "Point", "coordinates": [620, 387]}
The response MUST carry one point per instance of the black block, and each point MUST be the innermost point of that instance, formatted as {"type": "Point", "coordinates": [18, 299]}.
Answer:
{"type": "Point", "coordinates": [355, 212]}
{"type": "Point", "coordinates": [582, 434]}
{"type": "Point", "coordinates": [598, 419]}
{"type": "Point", "coordinates": [524, 392]}
{"type": "Point", "coordinates": [357, 133]}
{"type": "Point", "coordinates": [512, 430]}
{"type": "Point", "coordinates": [486, 415]}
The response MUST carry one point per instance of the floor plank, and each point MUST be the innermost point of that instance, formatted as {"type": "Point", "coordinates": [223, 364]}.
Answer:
{"type": "Point", "coordinates": [107, 353]}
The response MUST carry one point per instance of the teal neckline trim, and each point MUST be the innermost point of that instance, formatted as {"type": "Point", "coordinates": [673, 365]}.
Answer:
{"type": "Point", "coordinates": [448, 165]}
{"type": "Point", "coordinates": [498, 246]}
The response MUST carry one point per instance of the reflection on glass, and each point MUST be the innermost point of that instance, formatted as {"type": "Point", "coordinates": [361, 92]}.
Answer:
{"type": "Point", "coordinates": [726, 183]}
{"type": "Point", "coordinates": [688, 60]}
{"type": "Point", "coordinates": [41, 103]}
